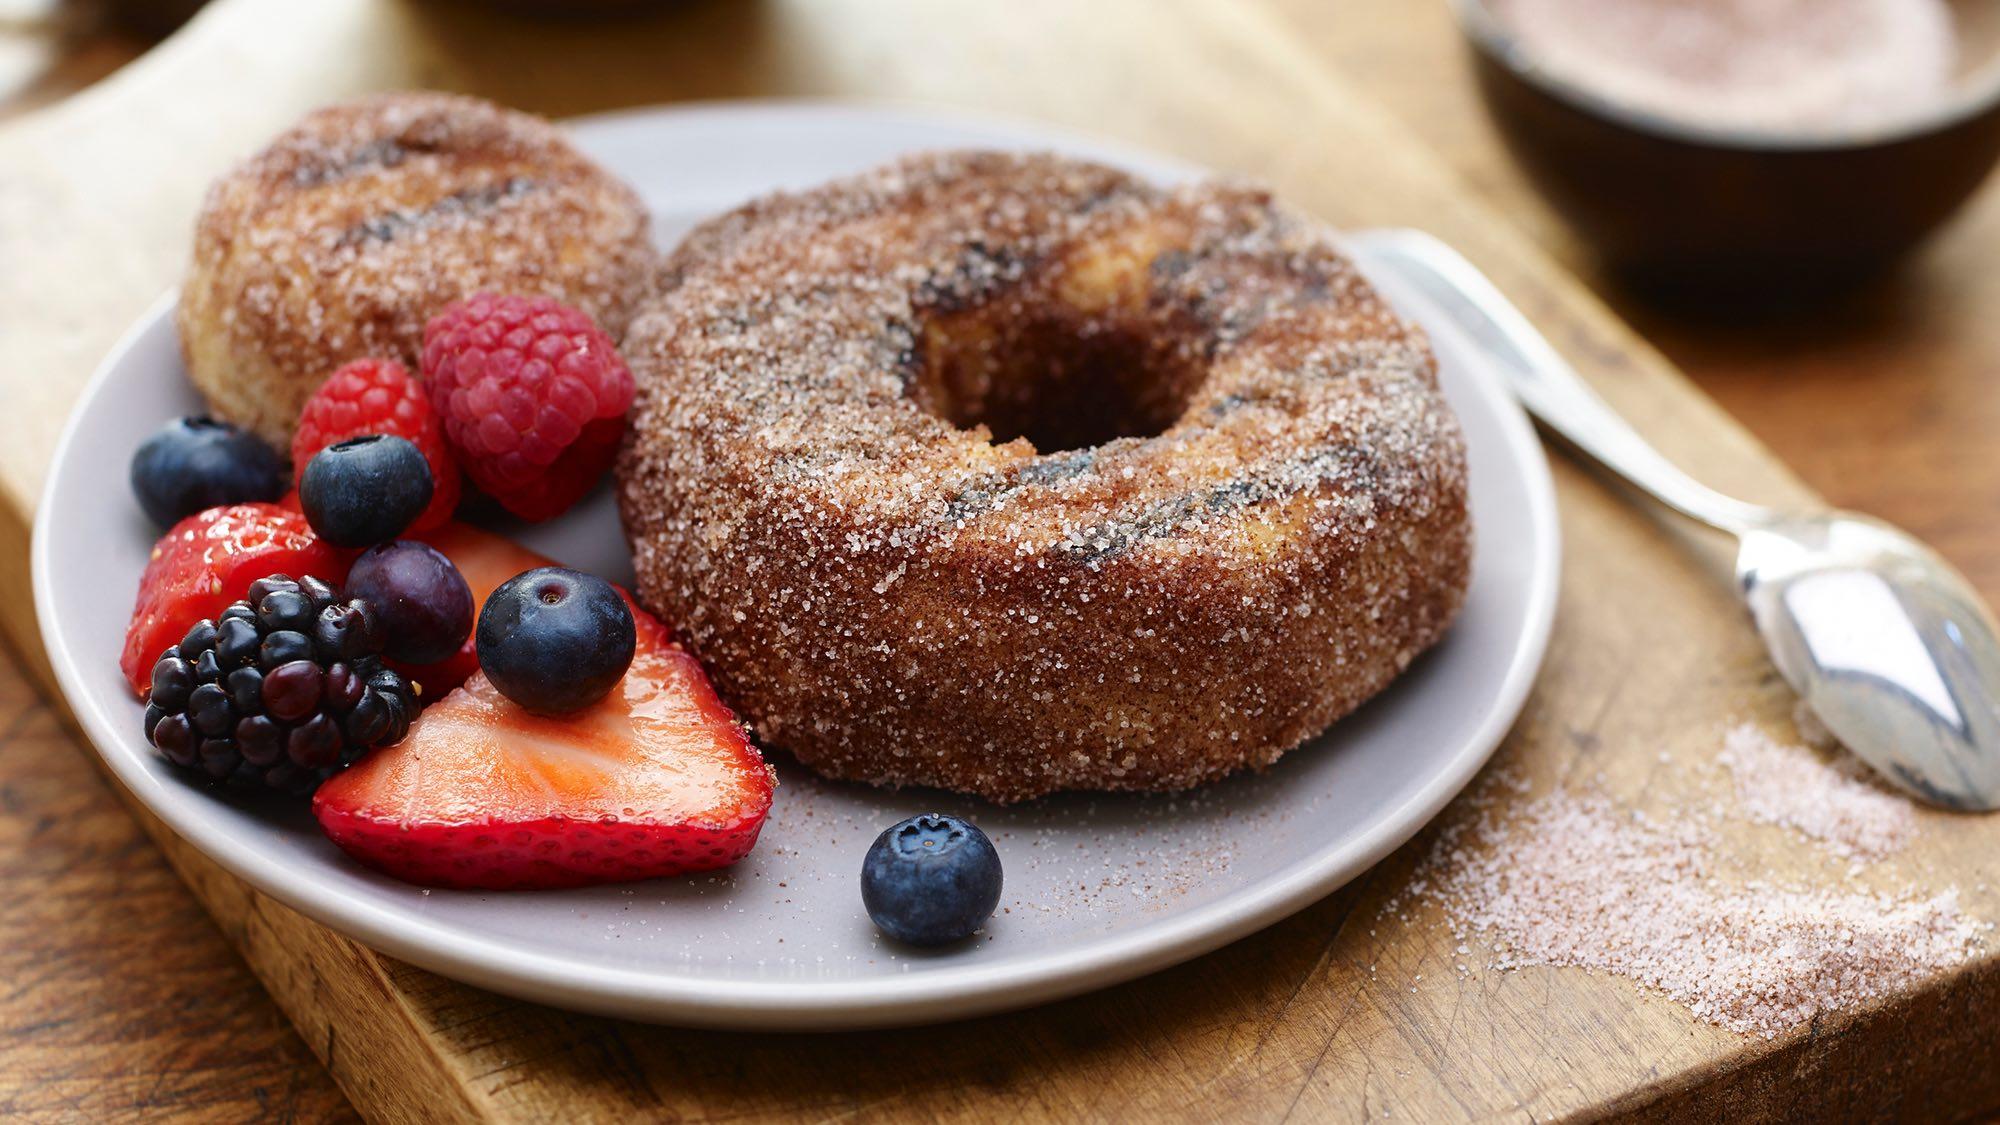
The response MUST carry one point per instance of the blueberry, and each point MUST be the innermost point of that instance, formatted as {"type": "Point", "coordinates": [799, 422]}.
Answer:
{"type": "Point", "coordinates": [555, 640]}
{"type": "Point", "coordinates": [365, 490]}
{"type": "Point", "coordinates": [420, 602]}
{"type": "Point", "coordinates": [930, 880]}
{"type": "Point", "coordinates": [195, 463]}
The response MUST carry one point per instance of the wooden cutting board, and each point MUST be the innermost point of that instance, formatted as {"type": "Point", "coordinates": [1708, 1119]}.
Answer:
{"type": "Point", "coordinates": [1651, 660]}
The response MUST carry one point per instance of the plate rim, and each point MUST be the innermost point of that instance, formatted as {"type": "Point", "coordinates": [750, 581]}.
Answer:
{"type": "Point", "coordinates": [940, 994]}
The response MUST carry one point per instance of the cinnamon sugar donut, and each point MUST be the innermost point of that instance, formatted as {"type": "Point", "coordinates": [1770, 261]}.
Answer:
{"type": "Point", "coordinates": [1014, 474]}
{"type": "Point", "coordinates": [352, 229]}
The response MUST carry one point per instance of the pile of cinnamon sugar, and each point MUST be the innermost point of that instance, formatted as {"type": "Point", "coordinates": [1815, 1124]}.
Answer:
{"type": "Point", "coordinates": [1809, 66]}
{"type": "Point", "coordinates": [1572, 879]}
{"type": "Point", "coordinates": [1831, 799]}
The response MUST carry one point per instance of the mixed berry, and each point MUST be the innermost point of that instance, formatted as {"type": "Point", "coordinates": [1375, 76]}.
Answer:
{"type": "Point", "coordinates": [419, 598]}
{"type": "Point", "coordinates": [323, 640]}
{"type": "Point", "coordinates": [192, 464]}
{"type": "Point", "coordinates": [365, 490]}
{"type": "Point", "coordinates": [555, 640]}
{"type": "Point", "coordinates": [464, 712]}
{"type": "Point", "coordinates": [654, 779]}
{"type": "Point", "coordinates": [279, 691]}
{"type": "Point", "coordinates": [533, 396]}
{"type": "Point", "coordinates": [209, 560]}
{"type": "Point", "coordinates": [931, 880]}
{"type": "Point", "coordinates": [379, 396]}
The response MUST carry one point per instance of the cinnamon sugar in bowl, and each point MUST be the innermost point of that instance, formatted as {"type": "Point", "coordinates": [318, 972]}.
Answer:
{"type": "Point", "coordinates": [1745, 146]}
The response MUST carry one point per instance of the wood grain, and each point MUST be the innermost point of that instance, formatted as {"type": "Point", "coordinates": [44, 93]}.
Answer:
{"type": "Point", "coordinates": [1340, 1012]}
{"type": "Point", "coordinates": [121, 999]}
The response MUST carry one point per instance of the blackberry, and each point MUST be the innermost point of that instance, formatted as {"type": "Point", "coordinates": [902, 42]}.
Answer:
{"type": "Point", "coordinates": [280, 691]}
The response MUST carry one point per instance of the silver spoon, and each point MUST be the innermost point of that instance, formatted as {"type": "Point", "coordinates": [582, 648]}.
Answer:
{"type": "Point", "coordinates": [1887, 644]}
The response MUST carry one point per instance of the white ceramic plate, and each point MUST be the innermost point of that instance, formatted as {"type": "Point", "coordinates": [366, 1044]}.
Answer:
{"type": "Point", "coordinates": [1098, 889]}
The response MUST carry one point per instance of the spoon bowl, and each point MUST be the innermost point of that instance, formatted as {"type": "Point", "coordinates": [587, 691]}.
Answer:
{"type": "Point", "coordinates": [1888, 645]}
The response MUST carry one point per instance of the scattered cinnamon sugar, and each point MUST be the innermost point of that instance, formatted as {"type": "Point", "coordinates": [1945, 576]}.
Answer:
{"type": "Point", "coordinates": [1830, 800]}
{"type": "Point", "coordinates": [1571, 879]}
{"type": "Point", "coordinates": [1783, 65]}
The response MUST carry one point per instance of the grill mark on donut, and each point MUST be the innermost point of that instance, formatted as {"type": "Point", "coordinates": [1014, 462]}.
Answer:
{"type": "Point", "coordinates": [1230, 403]}
{"type": "Point", "coordinates": [387, 226]}
{"type": "Point", "coordinates": [387, 152]}
{"type": "Point", "coordinates": [1170, 265]}
{"type": "Point", "coordinates": [1206, 285]}
{"type": "Point", "coordinates": [1059, 468]}
{"type": "Point", "coordinates": [977, 274]}
{"type": "Point", "coordinates": [1344, 462]}
{"type": "Point", "coordinates": [990, 491]}
{"type": "Point", "coordinates": [1109, 193]}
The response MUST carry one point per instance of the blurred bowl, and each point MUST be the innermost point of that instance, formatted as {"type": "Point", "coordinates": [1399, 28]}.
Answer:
{"type": "Point", "coordinates": [1671, 201]}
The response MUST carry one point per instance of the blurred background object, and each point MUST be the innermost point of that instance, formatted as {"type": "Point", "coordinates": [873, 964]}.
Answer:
{"type": "Point", "coordinates": [50, 49]}
{"type": "Point", "coordinates": [1738, 147]}
{"type": "Point", "coordinates": [151, 18]}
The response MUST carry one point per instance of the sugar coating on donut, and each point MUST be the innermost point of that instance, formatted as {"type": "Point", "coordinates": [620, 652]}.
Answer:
{"type": "Point", "coordinates": [349, 231]}
{"type": "Point", "coordinates": [1248, 516]}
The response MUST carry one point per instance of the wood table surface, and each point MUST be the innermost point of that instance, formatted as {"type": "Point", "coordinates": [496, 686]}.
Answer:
{"type": "Point", "coordinates": [125, 999]}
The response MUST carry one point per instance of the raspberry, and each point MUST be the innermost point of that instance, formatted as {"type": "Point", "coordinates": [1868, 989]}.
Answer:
{"type": "Point", "coordinates": [533, 396]}
{"type": "Point", "coordinates": [378, 396]}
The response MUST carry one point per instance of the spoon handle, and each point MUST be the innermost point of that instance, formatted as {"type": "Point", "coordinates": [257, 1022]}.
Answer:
{"type": "Point", "coordinates": [1544, 381]}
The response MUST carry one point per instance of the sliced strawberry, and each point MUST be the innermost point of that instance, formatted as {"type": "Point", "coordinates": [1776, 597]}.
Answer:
{"type": "Point", "coordinates": [486, 560]}
{"type": "Point", "coordinates": [209, 560]}
{"type": "Point", "coordinates": [655, 780]}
